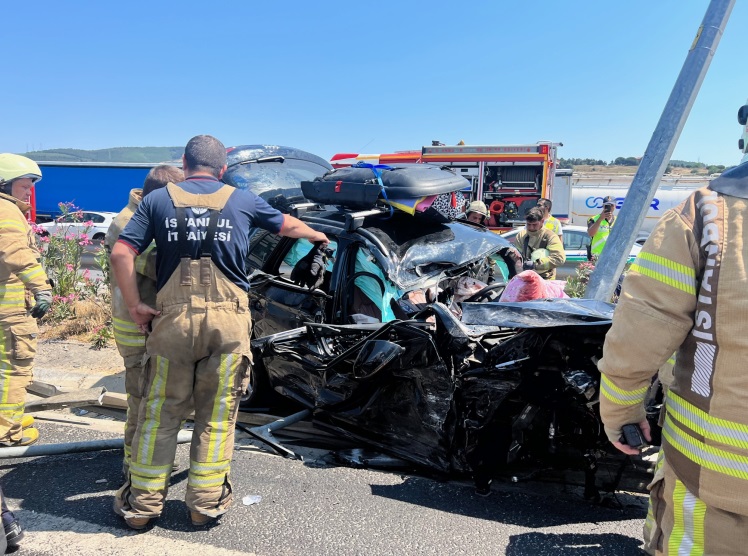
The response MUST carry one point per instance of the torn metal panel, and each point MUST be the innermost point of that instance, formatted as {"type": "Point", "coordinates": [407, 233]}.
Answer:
{"type": "Point", "coordinates": [538, 313]}
{"type": "Point", "coordinates": [418, 254]}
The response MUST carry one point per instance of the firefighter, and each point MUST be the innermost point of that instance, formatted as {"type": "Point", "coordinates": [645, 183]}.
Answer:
{"type": "Point", "coordinates": [477, 212]}
{"type": "Point", "coordinates": [540, 248]}
{"type": "Point", "coordinates": [550, 221]}
{"type": "Point", "coordinates": [199, 344]}
{"type": "Point", "coordinates": [129, 338]}
{"type": "Point", "coordinates": [686, 292]}
{"type": "Point", "coordinates": [21, 279]}
{"type": "Point", "coordinates": [599, 226]}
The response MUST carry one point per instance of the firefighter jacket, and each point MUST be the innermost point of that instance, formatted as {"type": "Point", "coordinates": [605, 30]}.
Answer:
{"type": "Point", "coordinates": [686, 293]}
{"type": "Point", "coordinates": [21, 273]}
{"type": "Point", "coordinates": [126, 332]}
{"type": "Point", "coordinates": [527, 242]}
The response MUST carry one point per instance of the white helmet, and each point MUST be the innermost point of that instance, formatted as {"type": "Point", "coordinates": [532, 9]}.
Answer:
{"type": "Point", "coordinates": [15, 166]}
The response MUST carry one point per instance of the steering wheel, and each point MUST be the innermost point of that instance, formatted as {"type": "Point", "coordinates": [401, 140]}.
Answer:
{"type": "Point", "coordinates": [491, 290]}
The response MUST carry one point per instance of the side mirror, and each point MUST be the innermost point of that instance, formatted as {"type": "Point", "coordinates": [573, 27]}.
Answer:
{"type": "Point", "coordinates": [374, 356]}
{"type": "Point", "coordinates": [743, 114]}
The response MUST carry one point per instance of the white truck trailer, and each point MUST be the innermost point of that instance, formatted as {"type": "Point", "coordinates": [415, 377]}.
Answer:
{"type": "Point", "coordinates": [579, 196]}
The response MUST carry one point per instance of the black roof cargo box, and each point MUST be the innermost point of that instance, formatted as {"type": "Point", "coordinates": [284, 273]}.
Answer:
{"type": "Point", "coordinates": [357, 187]}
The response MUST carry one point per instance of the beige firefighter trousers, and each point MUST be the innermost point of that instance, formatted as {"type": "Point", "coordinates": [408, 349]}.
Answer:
{"type": "Point", "coordinates": [198, 348]}
{"type": "Point", "coordinates": [16, 365]}
{"type": "Point", "coordinates": [679, 523]}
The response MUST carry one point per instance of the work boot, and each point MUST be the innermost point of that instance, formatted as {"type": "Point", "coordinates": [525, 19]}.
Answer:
{"type": "Point", "coordinates": [27, 420]}
{"type": "Point", "coordinates": [137, 523]}
{"type": "Point", "coordinates": [30, 436]}
{"type": "Point", "coordinates": [201, 520]}
{"type": "Point", "coordinates": [13, 530]}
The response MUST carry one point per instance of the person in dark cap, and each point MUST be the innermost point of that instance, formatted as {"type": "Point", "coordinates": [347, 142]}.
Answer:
{"type": "Point", "coordinates": [599, 226]}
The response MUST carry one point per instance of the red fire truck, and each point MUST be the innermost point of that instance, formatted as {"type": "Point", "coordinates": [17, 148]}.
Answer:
{"type": "Point", "coordinates": [509, 179]}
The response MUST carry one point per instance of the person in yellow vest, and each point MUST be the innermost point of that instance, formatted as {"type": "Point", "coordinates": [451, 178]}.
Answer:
{"type": "Point", "coordinates": [599, 226]}
{"type": "Point", "coordinates": [550, 221]}
{"type": "Point", "coordinates": [129, 338]}
{"type": "Point", "coordinates": [21, 280]}
{"type": "Point", "coordinates": [686, 293]}
{"type": "Point", "coordinates": [198, 347]}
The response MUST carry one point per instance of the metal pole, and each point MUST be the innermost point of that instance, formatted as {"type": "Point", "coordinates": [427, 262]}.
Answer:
{"type": "Point", "coordinates": [657, 156]}
{"type": "Point", "coordinates": [75, 447]}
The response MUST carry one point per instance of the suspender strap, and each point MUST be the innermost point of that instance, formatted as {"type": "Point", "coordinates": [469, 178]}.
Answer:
{"type": "Point", "coordinates": [185, 278]}
{"type": "Point", "coordinates": [207, 248]}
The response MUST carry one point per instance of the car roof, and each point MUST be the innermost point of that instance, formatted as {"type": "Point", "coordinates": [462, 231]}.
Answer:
{"type": "Point", "coordinates": [413, 250]}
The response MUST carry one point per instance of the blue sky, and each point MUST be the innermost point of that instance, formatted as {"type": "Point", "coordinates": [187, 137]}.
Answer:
{"type": "Point", "coordinates": [369, 77]}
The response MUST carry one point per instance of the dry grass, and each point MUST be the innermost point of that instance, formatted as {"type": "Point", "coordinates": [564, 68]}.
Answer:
{"type": "Point", "coordinates": [613, 169]}
{"type": "Point", "coordinates": [89, 315]}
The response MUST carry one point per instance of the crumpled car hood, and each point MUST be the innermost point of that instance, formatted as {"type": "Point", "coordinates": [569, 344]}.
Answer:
{"type": "Point", "coordinates": [434, 249]}
{"type": "Point", "coordinates": [538, 313]}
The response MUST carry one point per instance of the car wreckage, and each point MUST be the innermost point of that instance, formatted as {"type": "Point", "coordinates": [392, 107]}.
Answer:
{"type": "Point", "coordinates": [452, 384]}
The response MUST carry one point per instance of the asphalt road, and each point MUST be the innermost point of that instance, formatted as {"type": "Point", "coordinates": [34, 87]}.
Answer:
{"type": "Point", "coordinates": [310, 508]}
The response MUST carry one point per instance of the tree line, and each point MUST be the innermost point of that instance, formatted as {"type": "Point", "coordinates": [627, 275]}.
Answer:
{"type": "Point", "coordinates": [569, 163]}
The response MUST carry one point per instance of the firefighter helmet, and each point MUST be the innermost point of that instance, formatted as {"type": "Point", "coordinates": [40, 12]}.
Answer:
{"type": "Point", "coordinates": [479, 207]}
{"type": "Point", "coordinates": [15, 166]}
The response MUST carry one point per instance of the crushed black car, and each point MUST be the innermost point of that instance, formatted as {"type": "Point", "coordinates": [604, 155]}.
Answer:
{"type": "Point", "coordinates": [449, 383]}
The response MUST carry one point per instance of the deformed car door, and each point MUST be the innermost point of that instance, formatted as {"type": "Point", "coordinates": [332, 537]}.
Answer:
{"type": "Point", "coordinates": [277, 304]}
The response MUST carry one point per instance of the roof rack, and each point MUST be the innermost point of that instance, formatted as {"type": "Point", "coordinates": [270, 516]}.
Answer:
{"type": "Point", "coordinates": [354, 220]}
{"type": "Point", "coordinates": [297, 209]}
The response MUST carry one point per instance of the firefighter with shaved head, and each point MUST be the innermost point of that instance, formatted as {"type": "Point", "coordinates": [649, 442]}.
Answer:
{"type": "Point", "coordinates": [198, 344]}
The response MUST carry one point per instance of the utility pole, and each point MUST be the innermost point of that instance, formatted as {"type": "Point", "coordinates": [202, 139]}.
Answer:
{"type": "Point", "coordinates": [657, 156]}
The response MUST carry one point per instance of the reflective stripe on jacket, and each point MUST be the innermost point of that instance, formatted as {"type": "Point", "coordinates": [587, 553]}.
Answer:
{"type": "Point", "coordinates": [20, 269]}
{"type": "Point", "coordinates": [686, 292]}
{"type": "Point", "coordinates": [126, 333]}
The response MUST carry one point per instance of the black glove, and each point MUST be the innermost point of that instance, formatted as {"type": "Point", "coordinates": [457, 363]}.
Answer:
{"type": "Point", "coordinates": [528, 265]}
{"type": "Point", "coordinates": [43, 303]}
{"type": "Point", "coordinates": [310, 270]}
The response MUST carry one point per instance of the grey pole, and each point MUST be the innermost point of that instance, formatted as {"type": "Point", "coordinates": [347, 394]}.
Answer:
{"type": "Point", "coordinates": [657, 156]}
{"type": "Point", "coordinates": [75, 447]}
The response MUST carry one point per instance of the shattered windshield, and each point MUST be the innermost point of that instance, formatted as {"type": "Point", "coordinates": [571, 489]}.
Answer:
{"type": "Point", "coordinates": [423, 250]}
{"type": "Point", "coordinates": [271, 170]}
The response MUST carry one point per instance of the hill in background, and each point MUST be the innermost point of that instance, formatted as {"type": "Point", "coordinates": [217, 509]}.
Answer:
{"type": "Point", "coordinates": [116, 154]}
{"type": "Point", "coordinates": [621, 165]}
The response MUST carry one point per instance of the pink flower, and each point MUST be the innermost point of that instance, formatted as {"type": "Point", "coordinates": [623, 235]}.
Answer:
{"type": "Point", "coordinates": [87, 274]}
{"type": "Point", "coordinates": [69, 267]}
{"type": "Point", "coordinates": [88, 223]}
{"type": "Point", "coordinates": [69, 237]}
{"type": "Point", "coordinates": [44, 239]}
